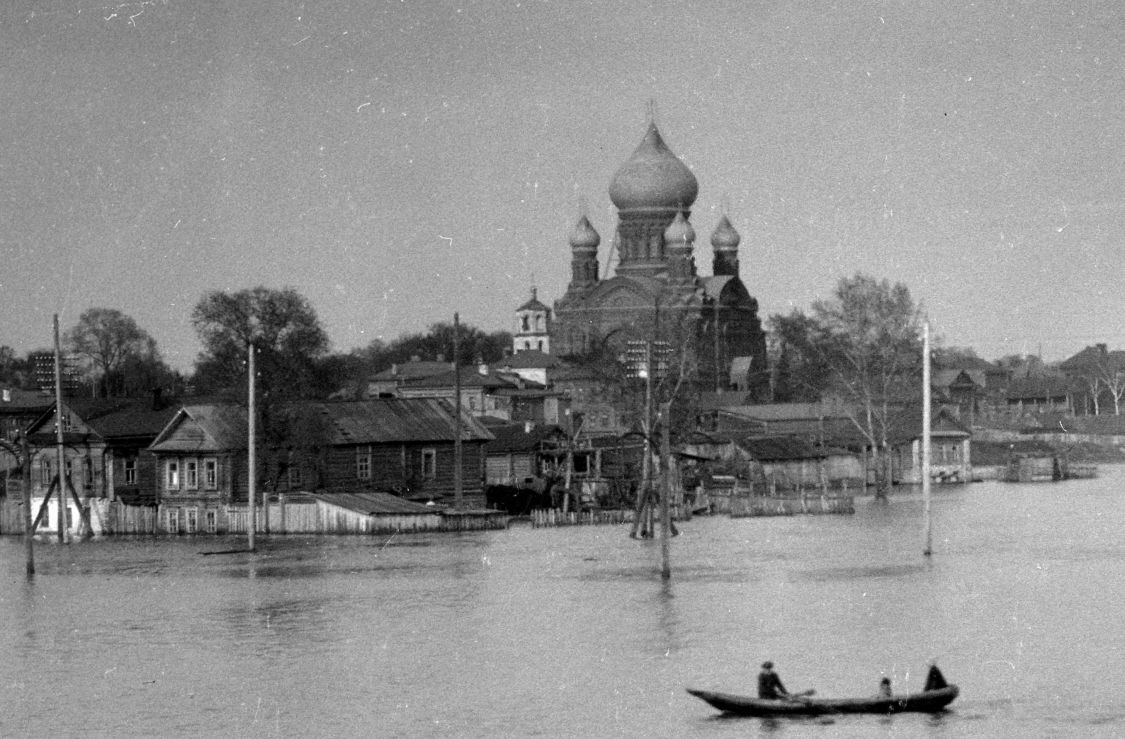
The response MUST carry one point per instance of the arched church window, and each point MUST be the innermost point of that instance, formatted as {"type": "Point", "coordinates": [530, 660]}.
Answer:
{"type": "Point", "coordinates": [526, 326]}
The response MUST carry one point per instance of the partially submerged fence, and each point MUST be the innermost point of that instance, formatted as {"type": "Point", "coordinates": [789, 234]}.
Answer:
{"type": "Point", "coordinates": [546, 517]}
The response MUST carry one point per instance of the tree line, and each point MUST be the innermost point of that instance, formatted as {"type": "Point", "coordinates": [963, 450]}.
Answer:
{"type": "Point", "coordinates": [115, 357]}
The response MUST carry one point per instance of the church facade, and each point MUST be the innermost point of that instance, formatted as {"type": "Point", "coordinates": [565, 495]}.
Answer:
{"type": "Point", "coordinates": [656, 292]}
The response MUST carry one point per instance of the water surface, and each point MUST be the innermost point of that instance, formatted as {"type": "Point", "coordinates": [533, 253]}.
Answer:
{"type": "Point", "coordinates": [572, 632]}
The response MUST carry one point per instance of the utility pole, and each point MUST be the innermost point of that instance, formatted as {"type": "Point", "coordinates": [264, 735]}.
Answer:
{"type": "Point", "coordinates": [28, 532]}
{"type": "Point", "coordinates": [60, 451]}
{"type": "Point", "coordinates": [927, 548]}
{"type": "Point", "coordinates": [251, 444]}
{"type": "Point", "coordinates": [458, 492]}
{"type": "Point", "coordinates": [666, 490]}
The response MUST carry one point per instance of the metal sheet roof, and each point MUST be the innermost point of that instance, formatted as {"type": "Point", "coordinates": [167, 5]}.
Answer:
{"type": "Point", "coordinates": [373, 504]}
{"type": "Point", "coordinates": [391, 420]}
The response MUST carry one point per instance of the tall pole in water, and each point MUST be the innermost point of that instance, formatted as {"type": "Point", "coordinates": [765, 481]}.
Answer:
{"type": "Point", "coordinates": [251, 445]}
{"type": "Point", "coordinates": [60, 491]}
{"type": "Point", "coordinates": [28, 533]}
{"type": "Point", "coordinates": [458, 492]}
{"type": "Point", "coordinates": [928, 546]}
{"type": "Point", "coordinates": [666, 490]}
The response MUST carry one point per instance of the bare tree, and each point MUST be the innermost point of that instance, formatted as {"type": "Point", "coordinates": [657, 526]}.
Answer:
{"type": "Point", "coordinates": [862, 346]}
{"type": "Point", "coordinates": [109, 340]}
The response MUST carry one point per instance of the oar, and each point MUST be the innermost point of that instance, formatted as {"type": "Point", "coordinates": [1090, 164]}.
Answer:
{"type": "Point", "coordinates": [798, 696]}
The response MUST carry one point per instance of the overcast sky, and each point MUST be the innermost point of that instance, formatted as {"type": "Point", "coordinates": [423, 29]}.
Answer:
{"type": "Point", "coordinates": [399, 161]}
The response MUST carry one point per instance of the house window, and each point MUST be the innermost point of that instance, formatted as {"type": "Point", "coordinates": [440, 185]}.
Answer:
{"type": "Point", "coordinates": [172, 520]}
{"type": "Point", "coordinates": [191, 521]}
{"type": "Point", "coordinates": [131, 471]}
{"type": "Point", "coordinates": [172, 476]}
{"type": "Point", "coordinates": [429, 464]}
{"type": "Point", "coordinates": [191, 474]}
{"type": "Point", "coordinates": [210, 521]}
{"type": "Point", "coordinates": [363, 463]}
{"type": "Point", "coordinates": [211, 473]}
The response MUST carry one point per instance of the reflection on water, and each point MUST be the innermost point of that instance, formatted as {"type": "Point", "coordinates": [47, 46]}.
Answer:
{"type": "Point", "coordinates": [573, 631]}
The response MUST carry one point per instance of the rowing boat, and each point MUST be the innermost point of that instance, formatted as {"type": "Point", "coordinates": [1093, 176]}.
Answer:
{"type": "Point", "coordinates": [935, 697]}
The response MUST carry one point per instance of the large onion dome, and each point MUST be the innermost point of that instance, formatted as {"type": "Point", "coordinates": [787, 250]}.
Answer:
{"type": "Point", "coordinates": [653, 178]}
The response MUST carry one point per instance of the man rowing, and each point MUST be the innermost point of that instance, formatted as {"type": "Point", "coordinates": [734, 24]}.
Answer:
{"type": "Point", "coordinates": [769, 684]}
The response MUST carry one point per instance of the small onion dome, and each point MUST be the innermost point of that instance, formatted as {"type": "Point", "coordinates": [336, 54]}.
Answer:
{"type": "Point", "coordinates": [584, 236]}
{"type": "Point", "coordinates": [653, 178]}
{"type": "Point", "coordinates": [679, 231]}
{"type": "Point", "coordinates": [724, 236]}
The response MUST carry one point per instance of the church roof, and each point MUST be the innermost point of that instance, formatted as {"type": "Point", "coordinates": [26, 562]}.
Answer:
{"type": "Point", "coordinates": [533, 304]}
{"type": "Point", "coordinates": [725, 236]}
{"type": "Point", "coordinates": [679, 231]}
{"type": "Point", "coordinates": [653, 177]}
{"type": "Point", "coordinates": [584, 236]}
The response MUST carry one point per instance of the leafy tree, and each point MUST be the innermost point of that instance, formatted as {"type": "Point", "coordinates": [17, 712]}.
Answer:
{"type": "Point", "coordinates": [283, 327]}
{"type": "Point", "coordinates": [862, 346]}
{"type": "Point", "coordinates": [113, 344]}
{"type": "Point", "coordinates": [13, 370]}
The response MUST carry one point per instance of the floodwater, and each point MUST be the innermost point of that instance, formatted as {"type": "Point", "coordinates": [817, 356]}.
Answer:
{"type": "Point", "coordinates": [572, 631]}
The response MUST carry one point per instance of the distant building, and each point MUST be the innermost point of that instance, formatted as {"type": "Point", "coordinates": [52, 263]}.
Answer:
{"type": "Point", "coordinates": [533, 323]}
{"type": "Point", "coordinates": [43, 368]}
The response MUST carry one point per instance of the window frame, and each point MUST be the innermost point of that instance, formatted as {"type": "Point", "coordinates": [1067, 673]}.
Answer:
{"type": "Point", "coordinates": [363, 462]}
{"type": "Point", "coordinates": [211, 473]}
{"type": "Point", "coordinates": [428, 466]}
{"type": "Point", "coordinates": [129, 471]}
{"type": "Point", "coordinates": [191, 474]}
{"type": "Point", "coordinates": [172, 474]}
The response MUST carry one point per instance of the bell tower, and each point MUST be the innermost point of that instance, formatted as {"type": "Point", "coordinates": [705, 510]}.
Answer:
{"type": "Point", "coordinates": [533, 321]}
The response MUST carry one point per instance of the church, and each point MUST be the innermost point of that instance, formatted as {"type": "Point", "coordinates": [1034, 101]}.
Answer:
{"type": "Point", "coordinates": [656, 292]}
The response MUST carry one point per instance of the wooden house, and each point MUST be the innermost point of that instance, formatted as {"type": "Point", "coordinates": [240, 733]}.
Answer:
{"type": "Point", "coordinates": [202, 468]}
{"type": "Point", "coordinates": [401, 444]}
{"type": "Point", "coordinates": [950, 448]}
{"type": "Point", "coordinates": [519, 452]}
{"type": "Point", "coordinates": [105, 454]}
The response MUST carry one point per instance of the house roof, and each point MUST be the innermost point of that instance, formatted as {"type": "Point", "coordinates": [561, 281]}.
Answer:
{"type": "Point", "coordinates": [374, 504]}
{"type": "Point", "coordinates": [397, 419]}
{"type": "Point", "coordinates": [785, 411]}
{"type": "Point", "coordinates": [516, 437]}
{"type": "Point", "coordinates": [411, 370]}
{"type": "Point", "coordinates": [15, 400]}
{"type": "Point", "coordinates": [224, 426]}
{"type": "Point", "coordinates": [471, 377]}
{"type": "Point", "coordinates": [779, 448]}
{"type": "Point", "coordinates": [1038, 387]}
{"type": "Point", "coordinates": [527, 359]}
{"type": "Point", "coordinates": [204, 428]}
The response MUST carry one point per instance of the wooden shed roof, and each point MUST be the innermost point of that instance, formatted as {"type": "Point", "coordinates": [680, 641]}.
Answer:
{"type": "Point", "coordinates": [374, 504]}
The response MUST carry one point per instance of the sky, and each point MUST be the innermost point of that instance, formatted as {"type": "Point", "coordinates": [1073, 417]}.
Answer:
{"type": "Point", "coordinates": [397, 162]}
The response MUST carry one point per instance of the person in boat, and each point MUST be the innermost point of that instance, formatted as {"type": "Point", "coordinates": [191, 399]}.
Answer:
{"type": "Point", "coordinates": [885, 688]}
{"type": "Point", "coordinates": [769, 684]}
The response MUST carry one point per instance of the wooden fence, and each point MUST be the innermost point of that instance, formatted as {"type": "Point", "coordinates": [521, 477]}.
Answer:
{"type": "Point", "coordinates": [542, 518]}
{"type": "Point", "coordinates": [760, 505]}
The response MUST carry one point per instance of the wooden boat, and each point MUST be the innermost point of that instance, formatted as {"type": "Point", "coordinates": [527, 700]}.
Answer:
{"type": "Point", "coordinates": [934, 697]}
